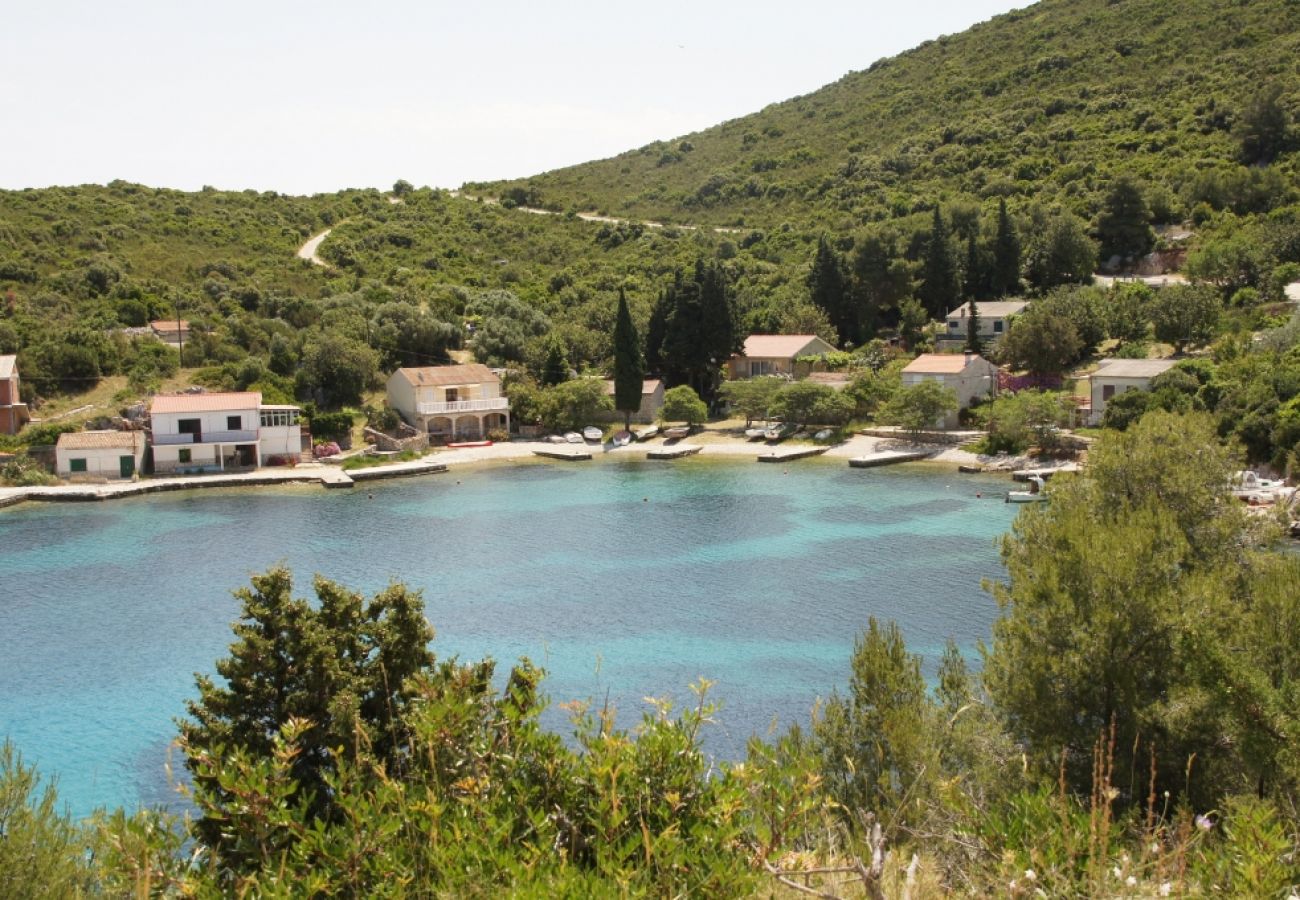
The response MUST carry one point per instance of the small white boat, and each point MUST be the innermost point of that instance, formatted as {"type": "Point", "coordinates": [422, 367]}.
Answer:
{"type": "Point", "coordinates": [592, 433]}
{"type": "Point", "coordinates": [622, 438]}
{"type": "Point", "coordinates": [1035, 494]}
{"type": "Point", "coordinates": [644, 434]}
{"type": "Point", "coordinates": [677, 431]}
{"type": "Point", "coordinates": [573, 437]}
{"type": "Point", "coordinates": [755, 434]}
{"type": "Point", "coordinates": [555, 438]}
{"type": "Point", "coordinates": [779, 431]}
{"type": "Point", "coordinates": [824, 435]}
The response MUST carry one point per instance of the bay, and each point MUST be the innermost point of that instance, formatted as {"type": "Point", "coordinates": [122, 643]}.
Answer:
{"type": "Point", "coordinates": [625, 580]}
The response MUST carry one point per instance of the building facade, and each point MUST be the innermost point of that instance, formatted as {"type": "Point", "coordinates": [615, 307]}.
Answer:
{"type": "Point", "coordinates": [450, 402]}
{"type": "Point", "coordinates": [970, 376]}
{"type": "Point", "coordinates": [99, 455]}
{"type": "Point", "coordinates": [777, 354]}
{"type": "Point", "coordinates": [220, 431]}
{"type": "Point", "coordinates": [994, 322]}
{"type": "Point", "coordinates": [13, 411]}
{"type": "Point", "coordinates": [1115, 376]}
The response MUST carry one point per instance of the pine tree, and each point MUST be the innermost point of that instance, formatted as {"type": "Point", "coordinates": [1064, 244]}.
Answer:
{"type": "Point", "coordinates": [629, 365]}
{"type": "Point", "coordinates": [828, 289]}
{"type": "Point", "coordinates": [700, 330]}
{"type": "Point", "coordinates": [1006, 255]}
{"type": "Point", "coordinates": [939, 285]}
{"type": "Point", "coordinates": [973, 342]}
{"type": "Point", "coordinates": [556, 368]}
{"type": "Point", "coordinates": [1123, 226]}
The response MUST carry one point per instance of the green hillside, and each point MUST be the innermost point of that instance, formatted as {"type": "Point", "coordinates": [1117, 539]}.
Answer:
{"type": "Point", "coordinates": [1039, 104]}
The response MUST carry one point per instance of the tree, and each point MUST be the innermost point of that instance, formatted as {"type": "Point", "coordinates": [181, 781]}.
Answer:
{"type": "Point", "coordinates": [573, 404]}
{"type": "Point", "coordinates": [629, 365]}
{"type": "Point", "coordinates": [881, 277]}
{"type": "Point", "coordinates": [406, 335]}
{"type": "Point", "coordinates": [828, 290]}
{"type": "Point", "coordinates": [912, 321]}
{"type": "Point", "coordinates": [342, 666]}
{"type": "Point", "coordinates": [1185, 314]}
{"type": "Point", "coordinates": [1042, 342]}
{"type": "Point", "coordinates": [752, 397]}
{"type": "Point", "coordinates": [1124, 223]}
{"type": "Point", "coordinates": [402, 188]}
{"type": "Point", "coordinates": [939, 283]}
{"type": "Point", "coordinates": [1084, 307]}
{"type": "Point", "coordinates": [555, 369]}
{"type": "Point", "coordinates": [682, 404]}
{"type": "Point", "coordinates": [1262, 128]}
{"type": "Point", "coordinates": [1006, 255]}
{"type": "Point", "coordinates": [805, 401]}
{"type": "Point", "coordinates": [1127, 319]}
{"type": "Point", "coordinates": [699, 328]}
{"type": "Point", "coordinates": [1060, 252]}
{"type": "Point", "coordinates": [974, 344]}
{"type": "Point", "coordinates": [977, 274]}
{"type": "Point", "coordinates": [336, 370]}
{"type": "Point", "coordinates": [503, 326]}
{"type": "Point", "coordinates": [921, 406]}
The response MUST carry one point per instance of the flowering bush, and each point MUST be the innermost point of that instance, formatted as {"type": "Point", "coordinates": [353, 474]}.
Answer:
{"type": "Point", "coordinates": [325, 448]}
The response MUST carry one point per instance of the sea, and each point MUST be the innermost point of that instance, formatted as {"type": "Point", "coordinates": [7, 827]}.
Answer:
{"type": "Point", "coordinates": [624, 580]}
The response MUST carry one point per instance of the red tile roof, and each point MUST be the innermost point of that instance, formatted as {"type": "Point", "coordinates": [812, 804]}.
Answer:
{"type": "Point", "coordinates": [215, 402]}
{"type": "Point", "coordinates": [939, 363]}
{"type": "Point", "coordinates": [448, 376]}
{"type": "Point", "coordinates": [97, 440]}
{"type": "Point", "coordinates": [783, 346]}
{"type": "Point", "coordinates": [649, 386]}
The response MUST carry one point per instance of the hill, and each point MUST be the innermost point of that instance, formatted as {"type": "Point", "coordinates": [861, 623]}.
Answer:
{"type": "Point", "coordinates": [1043, 104]}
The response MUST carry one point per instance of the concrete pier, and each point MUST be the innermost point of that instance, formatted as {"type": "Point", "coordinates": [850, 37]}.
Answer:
{"type": "Point", "coordinates": [887, 458]}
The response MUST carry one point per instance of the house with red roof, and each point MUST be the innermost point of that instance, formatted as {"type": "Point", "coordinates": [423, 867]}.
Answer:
{"type": "Point", "coordinates": [777, 354]}
{"type": "Point", "coordinates": [99, 455]}
{"type": "Point", "coordinates": [450, 402]}
{"type": "Point", "coordinates": [218, 431]}
{"type": "Point", "coordinates": [970, 376]}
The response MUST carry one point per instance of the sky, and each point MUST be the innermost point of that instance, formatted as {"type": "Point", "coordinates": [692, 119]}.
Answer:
{"type": "Point", "coordinates": [316, 97]}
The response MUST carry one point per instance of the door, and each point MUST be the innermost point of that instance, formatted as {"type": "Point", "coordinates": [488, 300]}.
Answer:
{"type": "Point", "coordinates": [126, 465]}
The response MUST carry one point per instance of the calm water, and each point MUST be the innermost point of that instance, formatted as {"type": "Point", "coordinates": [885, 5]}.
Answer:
{"type": "Point", "coordinates": [626, 579]}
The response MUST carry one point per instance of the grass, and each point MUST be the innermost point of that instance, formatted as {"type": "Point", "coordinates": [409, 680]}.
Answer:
{"type": "Point", "coordinates": [363, 461]}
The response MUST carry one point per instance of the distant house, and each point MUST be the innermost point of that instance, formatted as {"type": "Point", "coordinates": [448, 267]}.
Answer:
{"type": "Point", "coordinates": [170, 331]}
{"type": "Point", "coordinates": [219, 431]}
{"type": "Point", "coordinates": [652, 400]}
{"type": "Point", "coordinates": [775, 354]}
{"type": "Point", "coordinates": [994, 322]}
{"type": "Point", "coordinates": [99, 454]}
{"type": "Point", "coordinates": [450, 402]}
{"type": "Point", "coordinates": [13, 412]}
{"type": "Point", "coordinates": [969, 375]}
{"type": "Point", "coordinates": [1115, 376]}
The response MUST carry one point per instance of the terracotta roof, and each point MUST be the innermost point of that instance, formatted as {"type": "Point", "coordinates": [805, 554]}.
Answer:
{"type": "Point", "coordinates": [649, 386]}
{"type": "Point", "coordinates": [783, 346]}
{"type": "Point", "coordinates": [101, 440]}
{"type": "Point", "coordinates": [169, 325]}
{"type": "Point", "coordinates": [940, 363]}
{"type": "Point", "coordinates": [1132, 368]}
{"type": "Point", "coordinates": [992, 309]}
{"type": "Point", "coordinates": [8, 365]}
{"type": "Point", "coordinates": [215, 402]}
{"type": "Point", "coordinates": [446, 376]}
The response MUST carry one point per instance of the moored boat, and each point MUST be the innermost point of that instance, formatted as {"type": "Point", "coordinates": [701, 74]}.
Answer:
{"type": "Point", "coordinates": [644, 434]}
{"type": "Point", "coordinates": [592, 433]}
{"type": "Point", "coordinates": [573, 437]}
{"type": "Point", "coordinates": [622, 438]}
{"type": "Point", "coordinates": [677, 431]}
{"type": "Point", "coordinates": [1035, 494]}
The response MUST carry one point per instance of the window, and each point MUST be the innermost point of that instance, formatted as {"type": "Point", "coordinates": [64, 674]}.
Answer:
{"type": "Point", "coordinates": [997, 326]}
{"type": "Point", "coordinates": [1107, 391]}
{"type": "Point", "coordinates": [77, 465]}
{"type": "Point", "coordinates": [279, 418]}
{"type": "Point", "coordinates": [761, 367]}
{"type": "Point", "coordinates": [952, 325]}
{"type": "Point", "coordinates": [189, 426]}
{"type": "Point", "coordinates": [234, 423]}
{"type": "Point", "coordinates": [184, 454]}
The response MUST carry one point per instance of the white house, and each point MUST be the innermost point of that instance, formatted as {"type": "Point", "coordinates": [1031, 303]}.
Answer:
{"type": "Point", "coordinates": [994, 321]}
{"type": "Point", "coordinates": [99, 454]}
{"type": "Point", "coordinates": [968, 375]}
{"type": "Point", "coordinates": [450, 402]}
{"type": "Point", "coordinates": [1115, 376]}
{"type": "Point", "coordinates": [218, 431]}
{"type": "Point", "coordinates": [652, 400]}
{"type": "Point", "coordinates": [775, 354]}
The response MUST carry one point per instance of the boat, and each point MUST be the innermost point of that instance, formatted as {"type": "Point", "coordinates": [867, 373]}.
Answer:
{"type": "Point", "coordinates": [555, 438]}
{"type": "Point", "coordinates": [1035, 494]}
{"type": "Point", "coordinates": [677, 431]}
{"type": "Point", "coordinates": [754, 434]}
{"type": "Point", "coordinates": [779, 431]}
{"type": "Point", "coordinates": [592, 433]}
{"type": "Point", "coordinates": [824, 435]}
{"type": "Point", "coordinates": [573, 437]}
{"type": "Point", "coordinates": [644, 434]}
{"type": "Point", "coordinates": [622, 438]}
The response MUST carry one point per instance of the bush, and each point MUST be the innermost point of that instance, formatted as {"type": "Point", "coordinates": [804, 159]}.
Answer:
{"type": "Point", "coordinates": [331, 425]}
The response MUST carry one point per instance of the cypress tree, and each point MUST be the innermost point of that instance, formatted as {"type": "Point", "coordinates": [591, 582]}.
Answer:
{"type": "Point", "coordinates": [973, 342]}
{"type": "Point", "coordinates": [828, 290]}
{"type": "Point", "coordinates": [629, 365]}
{"type": "Point", "coordinates": [939, 285]}
{"type": "Point", "coordinates": [556, 368]}
{"type": "Point", "coordinates": [1006, 255]}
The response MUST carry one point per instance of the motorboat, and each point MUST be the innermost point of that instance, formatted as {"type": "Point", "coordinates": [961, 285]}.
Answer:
{"type": "Point", "coordinates": [622, 438]}
{"type": "Point", "coordinates": [573, 437]}
{"type": "Point", "coordinates": [592, 433]}
{"type": "Point", "coordinates": [677, 431]}
{"type": "Point", "coordinates": [1035, 494]}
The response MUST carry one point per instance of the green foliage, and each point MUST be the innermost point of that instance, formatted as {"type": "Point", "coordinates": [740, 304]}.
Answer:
{"type": "Point", "coordinates": [920, 406]}
{"type": "Point", "coordinates": [698, 333]}
{"type": "Point", "coordinates": [336, 370]}
{"type": "Point", "coordinates": [752, 397]}
{"type": "Point", "coordinates": [1263, 127]}
{"type": "Point", "coordinates": [572, 405]}
{"type": "Point", "coordinates": [503, 326]}
{"type": "Point", "coordinates": [1015, 421]}
{"type": "Point", "coordinates": [939, 280]}
{"type": "Point", "coordinates": [23, 471]}
{"type": "Point", "coordinates": [629, 363]}
{"type": "Point", "coordinates": [974, 344]}
{"type": "Point", "coordinates": [42, 852]}
{"type": "Point", "coordinates": [556, 367]}
{"type": "Point", "coordinates": [331, 426]}
{"type": "Point", "coordinates": [682, 404]}
{"type": "Point", "coordinates": [1043, 341]}
{"type": "Point", "coordinates": [1124, 224]}
{"type": "Point", "coordinates": [805, 402]}
{"type": "Point", "coordinates": [1184, 315]}
{"type": "Point", "coordinates": [829, 291]}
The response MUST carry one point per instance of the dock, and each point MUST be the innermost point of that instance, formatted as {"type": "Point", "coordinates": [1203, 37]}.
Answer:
{"type": "Point", "coordinates": [1027, 474]}
{"type": "Point", "coordinates": [677, 451]}
{"type": "Point", "coordinates": [785, 454]}
{"type": "Point", "coordinates": [565, 454]}
{"type": "Point", "coordinates": [395, 470]}
{"type": "Point", "coordinates": [887, 458]}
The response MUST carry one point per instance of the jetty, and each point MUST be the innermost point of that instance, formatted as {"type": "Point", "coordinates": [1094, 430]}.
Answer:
{"type": "Point", "coordinates": [564, 453]}
{"type": "Point", "coordinates": [887, 458]}
{"type": "Point", "coordinates": [676, 451]}
{"type": "Point", "coordinates": [785, 454]}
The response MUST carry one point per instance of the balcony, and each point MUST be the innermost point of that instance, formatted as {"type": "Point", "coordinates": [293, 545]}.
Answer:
{"type": "Point", "coordinates": [208, 437]}
{"type": "Point", "coordinates": [491, 404]}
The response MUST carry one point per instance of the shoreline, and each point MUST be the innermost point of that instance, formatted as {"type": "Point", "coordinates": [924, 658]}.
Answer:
{"type": "Point", "coordinates": [716, 444]}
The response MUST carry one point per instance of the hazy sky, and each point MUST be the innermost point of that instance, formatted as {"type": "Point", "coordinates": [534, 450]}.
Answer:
{"type": "Point", "coordinates": [309, 97]}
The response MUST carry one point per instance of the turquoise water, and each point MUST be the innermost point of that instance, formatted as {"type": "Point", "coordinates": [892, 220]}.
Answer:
{"type": "Point", "coordinates": [623, 579]}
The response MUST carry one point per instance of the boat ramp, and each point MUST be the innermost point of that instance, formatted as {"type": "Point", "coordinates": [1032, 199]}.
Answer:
{"type": "Point", "coordinates": [676, 451]}
{"type": "Point", "coordinates": [887, 458]}
{"type": "Point", "coordinates": [561, 452]}
{"type": "Point", "coordinates": [786, 454]}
